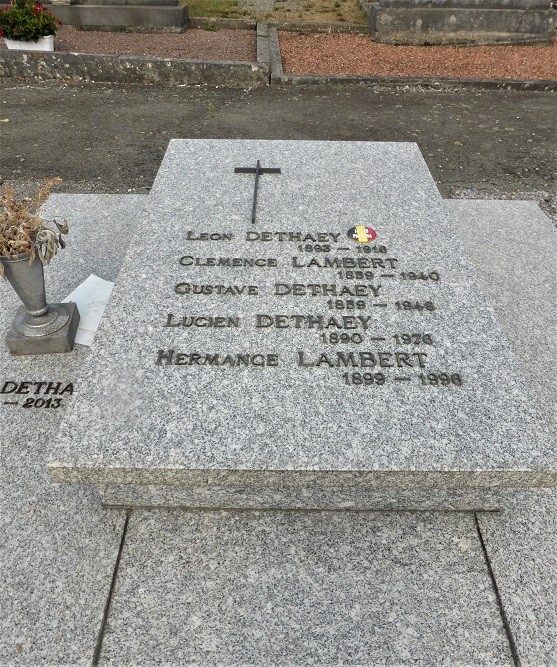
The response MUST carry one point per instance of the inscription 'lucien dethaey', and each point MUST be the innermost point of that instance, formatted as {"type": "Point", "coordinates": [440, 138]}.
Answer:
{"type": "Point", "coordinates": [264, 321]}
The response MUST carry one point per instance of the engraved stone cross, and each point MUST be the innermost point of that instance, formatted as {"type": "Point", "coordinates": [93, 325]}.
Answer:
{"type": "Point", "coordinates": [258, 169]}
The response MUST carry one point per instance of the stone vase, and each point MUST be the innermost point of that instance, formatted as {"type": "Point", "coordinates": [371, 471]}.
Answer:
{"type": "Point", "coordinates": [42, 44]}
{"type": "Point", "coordinates": [27, 278]}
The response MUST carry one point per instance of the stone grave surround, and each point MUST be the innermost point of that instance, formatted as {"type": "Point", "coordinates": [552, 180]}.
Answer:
{"type": "Point", "coordinates": [338, 352]}
{"type": "Point", "coordinates": [460, 21]}
{"type": "Point", "coordinates": [366, 586]}
{"type": "Point", "coordinates": [136, 15]}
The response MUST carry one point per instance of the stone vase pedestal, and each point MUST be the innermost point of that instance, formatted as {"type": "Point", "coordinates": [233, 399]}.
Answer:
{"type": "Point", "coordinates": [38, 328]}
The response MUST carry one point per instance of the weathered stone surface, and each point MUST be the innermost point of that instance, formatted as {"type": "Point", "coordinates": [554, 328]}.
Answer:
{"type": "Point", "coordinates": [58, 547]}
{"type": "Point", "coordinates": [294, 425]}
{"type": "Point", "coordinates": [430, 25]}
{"type": "Point", "coordinates": [132, 69]}
{"type": "Point", "coordinates": [274, 588]}
{"type": "Point", "coordinates": [128, 16]}
{"type": "Point", "coordinates": [468, 4]}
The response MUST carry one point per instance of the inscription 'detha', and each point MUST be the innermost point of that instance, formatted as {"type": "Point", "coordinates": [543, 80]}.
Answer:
{"type": "Point", "coordinates": [353, 293]}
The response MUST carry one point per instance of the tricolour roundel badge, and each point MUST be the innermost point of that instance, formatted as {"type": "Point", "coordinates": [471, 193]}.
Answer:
{"type": "Point", "coordinates": [362, 234]}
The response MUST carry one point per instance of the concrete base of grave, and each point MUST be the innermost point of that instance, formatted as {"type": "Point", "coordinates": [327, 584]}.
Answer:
{"type": "Point", "coordinates": [458, 23]}
{"type": "Point", "coordinates": [180, 497]}
{"type": "Point", "coordinates": [115, 15]}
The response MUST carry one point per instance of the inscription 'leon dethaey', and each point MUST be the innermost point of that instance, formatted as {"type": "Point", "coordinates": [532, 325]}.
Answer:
{"type": "Point", "coordinates": [292, 237]}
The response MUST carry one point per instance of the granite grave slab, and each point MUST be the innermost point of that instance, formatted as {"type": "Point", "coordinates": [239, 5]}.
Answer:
{"type": "Point", "coordinates": [57, 569]}
{"type": "Point", "coordinates": [58, 546]}
{"type": "Point", "coordinates": [517, 254]}
{"type": "Point", "coordinates": [340, 341]}
{"type": "Point", "coordinates": [512, 246]}
{"type": "Point", "coordinates": [303, 588]}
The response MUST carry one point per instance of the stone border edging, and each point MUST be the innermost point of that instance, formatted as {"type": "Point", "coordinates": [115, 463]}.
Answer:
{"type": "Point", "coordinates": [77, 67]}
{"type": "Point", "coordinates": [225, 24]}
{"type": "Point", "coordinates": [305, 27]}
{"type": "Point", "coordinates": [422, 82]}
{"type": "Point", "coordinates": [275, 59]}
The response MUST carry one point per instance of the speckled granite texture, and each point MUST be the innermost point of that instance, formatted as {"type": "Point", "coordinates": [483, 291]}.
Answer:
{"type": "Point", "coordinates": [522, 547]}
{"type": "Point", "coordinates": [141, 496]}
{"type": "Point", "coordinates": [134, 421]}
{"type": "Point", "coordinates": [404, 587]}
{"type": "Point", "coordinates": [57, 546]}
{"type": "Point", "coordinates": [251, 588]}
{"type": "Point", "coordinates": [512, 245]}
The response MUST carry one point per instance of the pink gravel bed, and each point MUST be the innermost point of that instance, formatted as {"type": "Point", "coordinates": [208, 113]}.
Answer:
{"type": "Point", "coordinates": [358, 55]}
{"type": "Point", "coordinates": [194, 43]}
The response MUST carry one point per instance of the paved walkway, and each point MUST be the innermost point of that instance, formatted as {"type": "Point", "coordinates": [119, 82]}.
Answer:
{"type": "Point", "coordinates": [110, 139]}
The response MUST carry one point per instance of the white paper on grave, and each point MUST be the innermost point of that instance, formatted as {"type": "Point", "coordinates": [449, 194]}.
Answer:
{"type": "Point", "coordinates": [91, 298]}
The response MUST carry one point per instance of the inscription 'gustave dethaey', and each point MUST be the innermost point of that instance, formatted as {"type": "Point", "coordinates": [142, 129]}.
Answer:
{"type": "Point", "coordinates": [281, 289]}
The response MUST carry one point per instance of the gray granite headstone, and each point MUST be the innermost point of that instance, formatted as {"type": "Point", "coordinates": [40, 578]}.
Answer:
{"type": "Point", "coordinates": [340, 342]}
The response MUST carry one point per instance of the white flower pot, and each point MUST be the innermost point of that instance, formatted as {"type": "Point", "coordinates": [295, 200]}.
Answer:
{"type": "Point", "coordinates": [42, 44]}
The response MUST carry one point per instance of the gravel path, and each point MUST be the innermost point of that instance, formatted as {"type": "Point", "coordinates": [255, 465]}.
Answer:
{"type": "Point", "coordinates": [195, 43]}
{"type": "Point", "coordinates": [358, 55]}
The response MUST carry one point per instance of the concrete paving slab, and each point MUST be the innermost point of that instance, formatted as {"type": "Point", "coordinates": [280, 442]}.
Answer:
{"type": "Point", "coordinates": [58, 547]}
{"type": "Point", "coordinates": [512, 246]}
{"type": "Point", "coordinates": [521, 543]}
{"type": "Point", "coordinates": [299, 588]}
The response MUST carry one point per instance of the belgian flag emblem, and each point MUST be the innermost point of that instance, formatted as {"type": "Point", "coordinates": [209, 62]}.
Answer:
{"type": "Point", "coordinates": [362, 234]}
